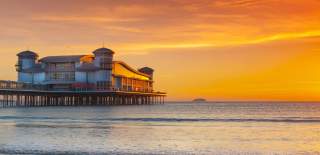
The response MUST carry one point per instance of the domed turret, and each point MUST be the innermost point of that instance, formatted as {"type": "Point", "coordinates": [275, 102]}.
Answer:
{"type": "Point", "coordinates": [103, 58]}
{"type": "Point", "coordinates": [103, 61]}
{"type": "Point", "coordinates": [147, 70]}
{"type": "Point", "coordinates": [28, 54]}
{"type": "Point", "coordinates": [103, 51]}
{"type": "Point", "coordinates": [26, 59]}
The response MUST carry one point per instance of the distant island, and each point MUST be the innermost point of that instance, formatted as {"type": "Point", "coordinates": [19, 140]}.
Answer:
{"type": "Point", "coordinates": [199, 100]}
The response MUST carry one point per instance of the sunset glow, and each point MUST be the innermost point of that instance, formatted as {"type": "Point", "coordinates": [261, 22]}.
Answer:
{"type": "Point", "coordinates": [214, 49]}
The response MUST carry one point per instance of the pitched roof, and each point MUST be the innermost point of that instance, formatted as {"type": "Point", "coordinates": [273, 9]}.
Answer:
{"type": "Point", "coordinates": [130, 68]}
{"type": "Point", "coordinates": [146, 70]}
{"type": "Point", "coordinates": [27, 54]}
{"type": "Point", "coordinates": [103, 50]}
{"type": "Point", "coordinates": [67, 58]}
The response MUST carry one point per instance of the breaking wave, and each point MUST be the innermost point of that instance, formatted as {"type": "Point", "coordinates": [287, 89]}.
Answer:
{"type": "Point", "coordinates": [128, 119]}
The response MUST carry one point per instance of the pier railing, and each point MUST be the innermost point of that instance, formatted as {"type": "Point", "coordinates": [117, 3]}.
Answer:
{"type": "Point", "coordinates": [20, 86]}
{"type": "Point", "coordinates": [17, 94]}
{"type": "Point", "coordinates": [14, 85]}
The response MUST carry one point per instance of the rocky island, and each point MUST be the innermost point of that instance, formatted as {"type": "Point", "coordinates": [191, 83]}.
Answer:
{"type": "Point", "coordinates": [199, 100]}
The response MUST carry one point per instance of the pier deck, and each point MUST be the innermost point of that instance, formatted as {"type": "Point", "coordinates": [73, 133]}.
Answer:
{"type": "Point", "coordinates": [13, 94]}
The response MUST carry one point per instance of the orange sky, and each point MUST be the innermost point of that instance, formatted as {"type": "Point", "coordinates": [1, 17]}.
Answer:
{"type": "Point", "coordinates": [216, 49]}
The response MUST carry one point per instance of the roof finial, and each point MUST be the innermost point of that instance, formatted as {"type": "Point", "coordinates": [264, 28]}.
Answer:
{"type": "Point", "coordinates": [103, 44]}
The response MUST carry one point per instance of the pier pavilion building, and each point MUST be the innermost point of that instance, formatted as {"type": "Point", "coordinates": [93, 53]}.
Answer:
{"type": "Point", "coordinates": [96, 71]}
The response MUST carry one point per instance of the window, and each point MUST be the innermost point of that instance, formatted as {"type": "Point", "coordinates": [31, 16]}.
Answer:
{"type": "Point", "coordinates": [106, 62]}
{"type": "Point", "coordinates": [61, 66]}
{"type": "Point", "coordinates": [62, 76]}
{"type": "Point", "coordinates": [61, 71]}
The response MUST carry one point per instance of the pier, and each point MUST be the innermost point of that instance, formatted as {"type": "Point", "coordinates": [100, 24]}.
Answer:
{"type": "Point", "coordinates": [17, 94]}
{"type": "Point", "coordinates": [78, 80]}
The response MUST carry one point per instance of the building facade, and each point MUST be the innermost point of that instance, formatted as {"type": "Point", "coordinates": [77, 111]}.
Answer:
{"type": "Point", "coordinates": [96, 71]}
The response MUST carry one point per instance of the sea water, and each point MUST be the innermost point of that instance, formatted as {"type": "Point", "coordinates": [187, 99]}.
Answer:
{"type": "Point", "coordinates": [172, 128]}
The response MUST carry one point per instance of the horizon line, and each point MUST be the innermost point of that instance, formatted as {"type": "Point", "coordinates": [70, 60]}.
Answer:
{"type": "Point", "coordinates": [263, 101]}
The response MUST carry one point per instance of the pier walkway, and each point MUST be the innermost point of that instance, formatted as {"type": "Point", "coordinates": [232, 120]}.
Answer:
{"type": "Point", "coordinates": [15, 94]}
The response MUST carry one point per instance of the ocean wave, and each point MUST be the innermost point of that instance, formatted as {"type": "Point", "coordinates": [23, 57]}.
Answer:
{"type": "Point", "coordinates": [215, 120]}
{"type": "Point", "coordinates": [155, 119]}
{"type": "Point", "coordinates": [56, 152]}
{"type": "Point", "coordinates": [277, 119]}
{"type": "Point", "coordinates": [30, 117]}
{"type": "Point", "coordinates": [72, 126]}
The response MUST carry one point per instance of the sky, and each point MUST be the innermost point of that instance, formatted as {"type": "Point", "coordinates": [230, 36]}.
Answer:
{"type": "Point", "coordinates": [214, 49]}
